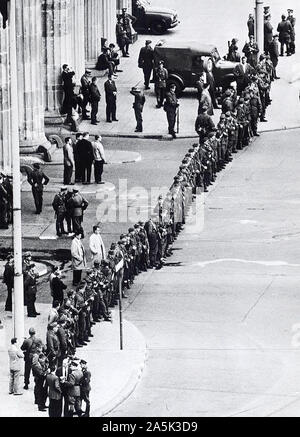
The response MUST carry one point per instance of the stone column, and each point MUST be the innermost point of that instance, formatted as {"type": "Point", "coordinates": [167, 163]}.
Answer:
{"type": "Point", "coordinates": [30, 79]}
{"type": "Point", "coordinates": [110, 14]}
{"type": "Point", "coordinates": [5, 112]}
{"type": "Point", "coordinates": [93, 16]}
{"type": "Point", "coordinates": [78, 37]}
{"type": "Point", "coordinates": [57, 42]}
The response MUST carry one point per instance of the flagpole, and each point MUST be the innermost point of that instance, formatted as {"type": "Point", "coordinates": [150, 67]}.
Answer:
{"type": "Point", "coordinates": [18, 310]}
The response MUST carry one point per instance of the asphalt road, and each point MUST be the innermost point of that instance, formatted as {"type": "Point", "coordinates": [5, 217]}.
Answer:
{"type": "Point", "coordinates": [221, 321]}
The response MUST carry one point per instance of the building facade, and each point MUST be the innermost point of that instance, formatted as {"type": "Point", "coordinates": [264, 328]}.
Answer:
{"type": "Point", "coordinates": [49, 33]}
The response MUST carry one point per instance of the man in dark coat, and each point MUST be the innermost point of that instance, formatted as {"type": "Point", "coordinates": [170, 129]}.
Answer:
{"type": "Point", "coordinates": [30, 347]}
{"type": "Point", "coordinates": [59, 206]}
{"type": "Point", "coordinates": [268, 33]}
{"type": "Point", "coordinates": [77, 204]}
{"type": "Point", "coordinates": [251, 25]}
{"type": "Point", "coordinates": [30, 285]}
{"type": "Point", "coordinates": [104, 62]}
{"type": "Point", "coordinates": [4, 205]}
{"type": "Point", "coordinates": [111, 99]}
{"type": "Point", "coordinates": [54, 393]}
{"type": "Point", "coordinates": [37, 179]}
{"type": "Point", "coordinates": [274, 53]}
{"type": "Point", "coordinates": [138, 106]}
{"type": "Point", "coordinates": [67, 77]}
{"type": "Point", "coordinates": [146, 59]}
{"type": "Point", "coordinates": [85, 156]}
{"type": "Point", "coordinates": [58, 288]}
{"type": "Point", "coordinates": [251, 51]}
{"type": "Point", "coordinates": [161, 76]}
{"type": "Point", "coordinates": [285, 30]}
{"type": "Point", "coordinates": [77, 162]}
{"type": "Point", "coordinates": [85, 91]}
{"type": "Point", "coordinates": [95, 99]}
{"type": "Point", "coordinates": [8, 280]}
{"type": "Point", "coordinates": [85, 387]}
{"type": "Point", "coordinates": [152, 234]}
{"type": "Point", "coordinates": [171, 106]}
{"type": "Point", "coordinates": [204, 124]}
{"type": "Point", "coordinates": [292, 20]}
{"type": "Point", "coordinates": [255, 110]}
{"type": "Point", "coordinates": [242, 73]}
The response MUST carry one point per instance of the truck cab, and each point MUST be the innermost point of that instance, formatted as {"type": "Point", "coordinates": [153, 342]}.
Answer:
{"type": "Point", "coordinates": [154, 19]}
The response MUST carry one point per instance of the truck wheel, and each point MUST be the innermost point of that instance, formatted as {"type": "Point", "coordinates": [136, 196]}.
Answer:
{"type": "Point", "coordinates": [178, 84]}
{"type": "Point", "coordinates": [158, 27]}
{"type": "Point", "coordinates": [208, 65]}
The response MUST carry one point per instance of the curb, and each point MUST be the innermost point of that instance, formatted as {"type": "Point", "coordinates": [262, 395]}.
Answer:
{"type": "Point", "coordinates": [133, 380]}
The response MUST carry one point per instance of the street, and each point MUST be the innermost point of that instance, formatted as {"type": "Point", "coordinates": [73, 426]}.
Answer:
{"type": "Point", "coordinates": [221, 320]}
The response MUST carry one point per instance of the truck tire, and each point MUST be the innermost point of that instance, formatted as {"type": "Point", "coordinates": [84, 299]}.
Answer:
{"type": "Point", "coordinates": [158, 27]}
{"type": "Point", "coordinates": [178, 84]}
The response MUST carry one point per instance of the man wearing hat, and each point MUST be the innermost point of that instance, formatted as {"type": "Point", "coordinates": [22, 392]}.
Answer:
{"type": "Point", "coordinates": [171, 105]}
{"type": "Point", "coordinates": [85, 91]}
{"type": "Point", "coordinates": [29, 347]}
{"type": "Point", "coordinates": [127, 21]}
{"type": "Point", "coordinates": [268, 33]}
{"type": "Point", "coordinates": [30, 286]}
{"type": "Point", "coordinates": [233, 54]}
{"type": "Point", "coordinates": [72, 384]}
{"type": "Point", "coordinates": [138, 106]}
{"type": "Point", "coordinates": [251, 51]}
{"type": "Point", "coordinates": [77, 204]}
{"type": "Point", "coordinates": [285, 30]}
{"type": "Point", "coordinates": [204, 124]}
{"type": "Point", "coordinates": [85, 387]}
{"type": "Point", "coordinates": [274, 53]}
{"type": "Point", "coordinates": [161, 76]}
{"type": "Point", "coordinates": [111, 99]}
{"type": "Point", "coordinates": [59, 206]}
{"type": "Point", "coordinates": [292, 20]}
{"type": "Point", "coordinates": [37, 179]}
{"type": "Point", "coordinates": [251, 25]}
{"type": "Point", "coordinates": [95, 97]}
{"type": "Point", "coordinates": [8, 280]}
{"type": "Point", "coordinates": [146, 59]}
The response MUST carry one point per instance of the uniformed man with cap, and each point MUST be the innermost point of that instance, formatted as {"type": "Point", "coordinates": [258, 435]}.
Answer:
{"type": "Point", "coordinates": [37, 179]}
{"type": "Point", "coordinates": [146, 60]}
{"type": "Point", "coordinates": [292, 20]}
{"type": "Point", "coordinates": [233, 51]}
{"type": "Point", "coordinates": [86, 81]}
{"type": "Point", "coordinates": [85, 387]}
{"type": "Point", "coordinates": [72, 385]}
{"type": "Point", "coordinates": [171, 107]}
{"type": "Point", "coordinates": [77, 204]}
{"type": "Point", "coordinates": [161, 76]}
{"type": "Point", "coordinates": [138, 106]}
{"type": "Point", "coordinates": [59, 206]}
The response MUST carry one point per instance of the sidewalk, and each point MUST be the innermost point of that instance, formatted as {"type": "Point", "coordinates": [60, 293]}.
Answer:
{"type": "Point", "coordinates": [115, 373]}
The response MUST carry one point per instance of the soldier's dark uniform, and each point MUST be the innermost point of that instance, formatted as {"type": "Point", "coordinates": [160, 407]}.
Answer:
{"type": "Point", "coordinates": [170, 106]}
{"type": "Point", "coordinates": [37, 179]}
{"type": "Point", "coordinates": [138, 106]}
{"type": "Point", "coordinates": [59, 206]}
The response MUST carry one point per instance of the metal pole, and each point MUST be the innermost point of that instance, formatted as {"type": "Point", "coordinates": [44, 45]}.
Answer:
{"type": "Point", "coordinates": [260, 25]}
{"type": "Point", "coordinates": [120, 312]}
{"type": "Point", "coordinates": [18, 314]}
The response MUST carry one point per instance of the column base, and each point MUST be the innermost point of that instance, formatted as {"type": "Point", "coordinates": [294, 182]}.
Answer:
{"type": "Point", "coordinates": [53, 118]}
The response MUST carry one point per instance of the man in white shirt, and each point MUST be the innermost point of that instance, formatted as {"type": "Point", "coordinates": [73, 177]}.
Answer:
{"type": "Point", "coordinates": [99, 159]}
{"type": "Point", "coordinates": [16, 358]}
{"type": "Point", "coordinates": [97, 247]}
{"type": "Point", "coordinates": [68, 161]}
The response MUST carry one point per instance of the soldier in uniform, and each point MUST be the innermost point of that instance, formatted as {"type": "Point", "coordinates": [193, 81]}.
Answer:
{"type": "Point", "coordinates": [72, 385]}
{"type": "Point", "coordinates": [241, 119]}
{"type": "Point", "coordinates": [138, 106]}
{"type": "Point", "coordinates": [146, 59]}
{"type": "Point", "coordinates": [30, 286]}
{"type": "Point", "coordinates": [127, 21]}
{"type": "Point", "coordinates": [204, 124]}
{"type": "Point", "coordinates": [285, 30]}
{"type": "Point", "coordinates": [171, 106]}
{"type": "Point", "coordinates": [161, 76]}
{"type": "Point", "coordinates": [85, 91]}
{"type": "Point", "coordinates": [85, 387]}
{"type": "Point", "coordinates": [40, 365]}
{"type": "Point", "coordinates": [8, 280]}
{"type": "Point", "coordinates": [152, 234]}
{"type": "Point", "coordinates": [59, 206]}
{"type": "Point", "coordinates": [81, 308]}
{"type": "Point", "coordinates": [292, 20]}
{"type": "Point", "coordinates": [4, 205]}
{"type": "Point", "coordinates": [77, 204]}
{"type": "Point", "coordinates": [37, 179]}
{"type": "Point", "coordinates": [274, 54]}
{"type": "Point", "coordinates": [251, 51]}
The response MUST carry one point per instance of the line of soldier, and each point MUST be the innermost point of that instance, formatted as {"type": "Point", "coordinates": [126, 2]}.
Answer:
{"type": "Point", "coordinates": [65, 381]}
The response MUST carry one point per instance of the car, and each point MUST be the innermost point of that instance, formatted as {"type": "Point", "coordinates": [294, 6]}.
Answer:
{"type": "Point", "coordinates": [187, 60]}
{"type": "Point", "coordinates": [155, 19]}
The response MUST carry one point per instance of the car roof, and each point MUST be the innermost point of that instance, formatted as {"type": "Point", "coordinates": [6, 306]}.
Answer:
{"type": "Point", "coordinates": [191, 45]}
